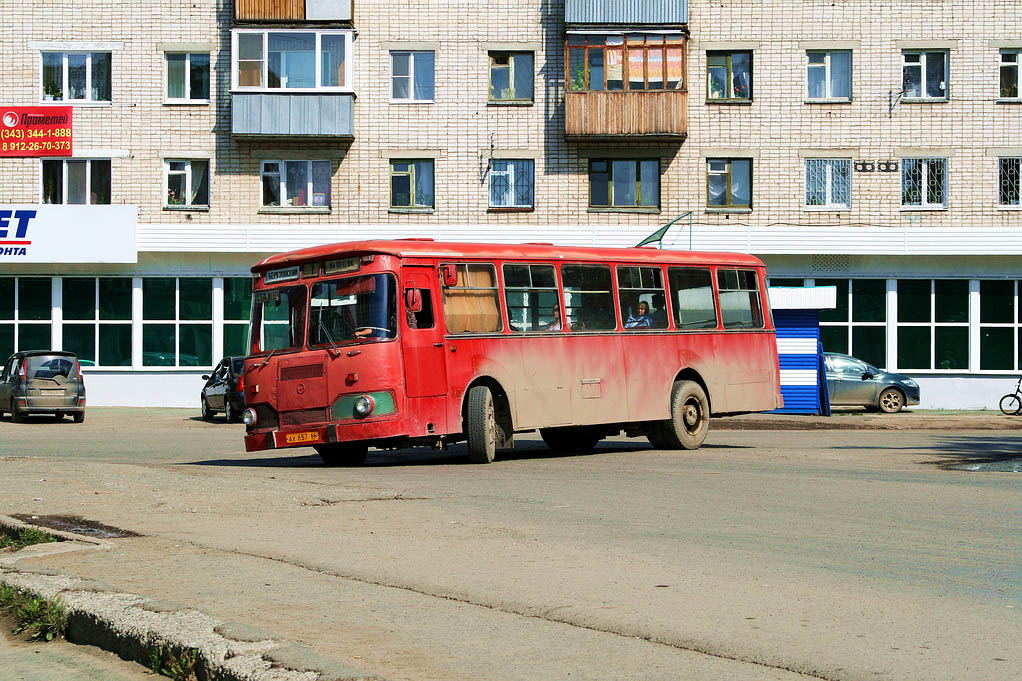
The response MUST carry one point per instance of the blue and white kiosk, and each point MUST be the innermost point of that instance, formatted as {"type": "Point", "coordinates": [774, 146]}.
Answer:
{"type": "Point", "coordinates": [799, 349]}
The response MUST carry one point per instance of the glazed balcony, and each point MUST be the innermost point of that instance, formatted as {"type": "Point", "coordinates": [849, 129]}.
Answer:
{"type": "Point", "coordinates": [291, 11]}
{"type": "Point", "coordinates": [629, 113]}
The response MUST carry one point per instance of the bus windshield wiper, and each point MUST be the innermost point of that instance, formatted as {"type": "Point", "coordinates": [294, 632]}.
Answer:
{"type": "Point", "coordinates": [268, 357]}
{"type": "Point", "coordinates": [330, 338]}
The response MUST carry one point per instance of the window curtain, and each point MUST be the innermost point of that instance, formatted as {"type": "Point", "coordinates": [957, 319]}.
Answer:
{"type": "Point", "coordinates": [423, 75]}
{"type": "Point", "coordinates": [423, 181]}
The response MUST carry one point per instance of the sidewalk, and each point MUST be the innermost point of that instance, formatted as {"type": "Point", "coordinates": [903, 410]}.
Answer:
{"type": "Point", "coordinates": [917, 419]}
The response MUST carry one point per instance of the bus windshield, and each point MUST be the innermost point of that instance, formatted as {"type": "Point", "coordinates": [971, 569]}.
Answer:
{"type": "Point", "coordinates": [353, 309]}
{"type": "Point", "coordinates": [278, 320]}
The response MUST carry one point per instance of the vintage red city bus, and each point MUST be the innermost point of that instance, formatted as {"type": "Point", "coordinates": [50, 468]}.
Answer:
{"type": "Point", "coordinates": [415, 342]}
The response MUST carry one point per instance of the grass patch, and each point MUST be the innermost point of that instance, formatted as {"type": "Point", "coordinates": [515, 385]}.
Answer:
{"type": "Point", "coordinates": [181, 667]}
{"type": "Point", "coordinates": [43, 619]}
{"type": "Point", "coordinates": [26, 536]}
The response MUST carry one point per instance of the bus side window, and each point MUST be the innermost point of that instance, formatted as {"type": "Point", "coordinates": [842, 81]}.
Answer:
{"type": "Point", "coordinates": [530, 293]}
{"type": "Point", "coordinates": [588, 297]}
{"type": "Point", "coordinates": [739, 299]}
{"type": "Point", "coordinates": [423, 318]}
{"type": "Point", "coordinates": [472, 305]}
{"type": "Point", "coordinates": [641, 294]}
{"type": "Point", "coordinates": [692, 294]}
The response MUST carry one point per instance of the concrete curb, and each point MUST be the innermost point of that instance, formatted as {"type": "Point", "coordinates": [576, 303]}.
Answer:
{"type": "Point", "coordinates": [133, 626]}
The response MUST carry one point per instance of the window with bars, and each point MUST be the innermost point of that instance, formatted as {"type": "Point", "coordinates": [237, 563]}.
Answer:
{"type": "Point", "coordinates": [296, 184]}
{"type": "Point", "coordinates": [924, 75]}
{"type": "Point", "coordinates": [76, 77]}
{"type": "Point", "coordinates": [1008, 186]}
{"type": "Point", "coordinates": [924, 182]}
{"type": "Point", "coordinates": [728, 76]}
{"type": "Point", "coordinates": [829, 183]}
{"type": "Point", "coordinates": [511, 76]}
{"type": "Point", "coordinates": [511, 183]}
{"type": "Point", "coordinates": [187, 183]}
{"type": "Point", "coordinates": [858, 324]}
{"type": "Point", "coordinates": [829, 75]}
{"type": "Point", "coordinates": [635, 61]}
{"type": "Point", "coordinates": [933, 324]}
{"type": "Point", "coordinates": [1009, 63]}
{"type": "Point", "coordinates": [76, 181]}
{"type": "Point", "coordinates": [624, 183]}
{"type": "Point", "coordinates": [729, 183]}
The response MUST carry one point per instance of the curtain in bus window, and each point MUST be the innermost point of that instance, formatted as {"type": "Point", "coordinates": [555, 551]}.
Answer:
{"type": "Point", "coordinates": [739, 299]}
{"type": "Point", "coordinates": [472, 304]}
{"type": "Point", "coordinates": [588, 298]}
{"type": "Point", "coordinates": [692, 293]}
{"type": "Point", "coordinates": [530, 292]}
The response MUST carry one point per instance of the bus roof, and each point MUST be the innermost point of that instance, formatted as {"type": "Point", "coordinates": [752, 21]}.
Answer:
{"type": "Point", "coordinates": [427, 248]}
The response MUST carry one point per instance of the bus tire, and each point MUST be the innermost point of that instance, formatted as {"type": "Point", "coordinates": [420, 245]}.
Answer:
{"type": "Point", "coordinates": [481, 425]}
{"type": "Point", "coordinates": [690, 417]}
{"type": "Point", "coordinates": [571, 439]}
{"type": "Point", "coordinates": [347, 455]}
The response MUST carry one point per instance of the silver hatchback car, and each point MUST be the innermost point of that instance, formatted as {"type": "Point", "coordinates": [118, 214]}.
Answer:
{"type": "Point", "coordinates": [852, 382]}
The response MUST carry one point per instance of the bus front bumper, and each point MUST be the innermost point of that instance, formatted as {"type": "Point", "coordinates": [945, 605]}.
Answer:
{"type": "Point", "coordinates": [320, 434]}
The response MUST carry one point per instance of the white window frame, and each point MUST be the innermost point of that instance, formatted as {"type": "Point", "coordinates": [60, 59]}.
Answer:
{"type": "Point", "coordinates": [924, 204]}
{"type": "Point", "coordinates": [64, 183]}
{"type": "Point", "coordinates": [922, 75]}
{"type": "Point", "coordinates": [829, 96]}
{"type": "Point", "coordinates": [349, 61]}
{"type": "Point", "coordinates": [66, 101]}
{"type": "Point", "coordinates": [510, 174]}
{"type": "Point", "coordinates": [1018, 73]}
{"type": "Point", "coordinates": [283, 183]}
{"type": "Point", "coordinates": [188, 183]}
{"type": "Point", "coordinates": [411, 77]}
{"type": "Point", "coordinates": [188, 81]}
{"type": "Point", "coordinates": [829, 204]}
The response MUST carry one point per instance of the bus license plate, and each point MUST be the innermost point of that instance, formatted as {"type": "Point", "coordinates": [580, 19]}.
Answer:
{"type": "Point", "coordinates": [298, 438]}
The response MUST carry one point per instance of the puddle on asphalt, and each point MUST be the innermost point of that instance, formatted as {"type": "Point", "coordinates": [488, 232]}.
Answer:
{"type": "Point", "coordinates": [75, 524]}
{"type": "Point", "coordinates": [1003, 466]}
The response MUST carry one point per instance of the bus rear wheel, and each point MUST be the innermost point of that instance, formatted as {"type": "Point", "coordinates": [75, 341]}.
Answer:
{"type": "Point", "coordinates": [347, 455]}
{"type": "Point", "coordinates": [690, 418]}
{"type": "Point", "coordinates": [571, 439]}
{"type": "Point", "coordinates": [481, 426]}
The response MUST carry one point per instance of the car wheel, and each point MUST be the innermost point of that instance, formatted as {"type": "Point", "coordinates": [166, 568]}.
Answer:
{"type": "Point", "coordinates": [78, 416]}
{"type": "Point", "coordinates": [891, 401]}
{"type": "Point", "coordinates": [16, 415]}
{"type": "Point", "coordinates": [229, 414]}
{"type": "Point", "coordinates": [207, 413]}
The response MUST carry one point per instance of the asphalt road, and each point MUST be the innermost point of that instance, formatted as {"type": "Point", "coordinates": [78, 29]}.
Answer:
{"type": "Point", "coordinates": [846, 554]}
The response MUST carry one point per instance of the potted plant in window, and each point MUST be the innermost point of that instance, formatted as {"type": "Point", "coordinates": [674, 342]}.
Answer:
{"type": "Point", "coordinates": [578, 79]}
{"type": "Point", "coordinates": [51, 92]}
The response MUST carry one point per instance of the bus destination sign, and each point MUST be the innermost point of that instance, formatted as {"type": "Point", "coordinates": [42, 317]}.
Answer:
{"type": "Point", "coordinates": [283, 274]}
{"type": "Point", "coordinates": [35, 131]}
{"type": "Point", "coordinates": [341, 265]}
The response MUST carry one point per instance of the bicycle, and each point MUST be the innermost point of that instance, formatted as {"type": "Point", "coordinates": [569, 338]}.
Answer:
{"type": "Point", "coordinates": [1011, 404]}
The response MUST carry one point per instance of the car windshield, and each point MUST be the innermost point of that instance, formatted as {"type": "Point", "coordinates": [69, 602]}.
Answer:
{"type": "Point", "coordinates": [278, 319]}
{"type": "Point", "coordinates": [48, 366]}
{"type": "Point", "coordinates": [353, 309]}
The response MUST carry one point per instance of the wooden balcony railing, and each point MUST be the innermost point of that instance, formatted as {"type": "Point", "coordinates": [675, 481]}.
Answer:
{"type": "Point", "coordinates": [601, 113]}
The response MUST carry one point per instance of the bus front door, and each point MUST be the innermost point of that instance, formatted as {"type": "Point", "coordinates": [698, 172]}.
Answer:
{"type": "Point", "coordinates": [423, 344]}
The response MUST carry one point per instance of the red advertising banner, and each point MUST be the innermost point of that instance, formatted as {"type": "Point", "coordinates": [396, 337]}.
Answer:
{"type": "Point", "coordinates": [35, 131]}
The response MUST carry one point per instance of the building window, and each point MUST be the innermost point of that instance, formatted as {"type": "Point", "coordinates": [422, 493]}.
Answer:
{"type": "Point", "coordinates": [187, 183]}
{"type": "Point", "coordinates": [999, 348]}
{"type": "Point", "coordinates": [177, 321]}
{"type": "Point", "coordinates": [858, 324]}
{"type": "Point", "coordinates": [511, 76]}
{"type": "Point", "coordinates": [1008, 185]}
{"type": "Point", "coordinates": [76, 77]}
{"type": "Point", "coordinates": [291, 60]}
{"type": "Point", "coordinates": [829, 75]}
{"type": "Point", "coordinates": [411, 76]}
{"type": "Point", "coordinates": [25, 314]}
{"type": "Point", "coordinates": [729, 183]}
{"type": "Point", "coordinates": [729, 76]}
{"type": "Point", "coordinates": [296, 184]}
{"type": "Point", "coordinates": [924, 75]}
{"type": "Point", "coordinates": [1010, 60]}
{"type": "Point", "coordinates": [237, 304]}
{"type": "Point", "coordinates": [924, 182]}
{"type": "Point", "coordinates": [76, 181]}
{"type": "Point", "coordinates": [933, 324]}
{"type": "Point", "coordinates": [97, 320]}
{"type": "Point", "coordinates": [829, 183]}
{"type": "Point", "coordinates": [638, 61]}
{"type": "Point", "coordinates": [411, 183]}
{"type": "Point", "coordinates": [511, 182]}
{"type": "Point", "coordinates": [188, 77]}
{"type": "Point", "coordinates": [624, 183]}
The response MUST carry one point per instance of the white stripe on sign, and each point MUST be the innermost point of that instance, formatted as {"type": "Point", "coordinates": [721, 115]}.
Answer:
{"type": "Point", "coordinates": [796, 346]}
{"type": "Point", "coordinates": [798, 377]}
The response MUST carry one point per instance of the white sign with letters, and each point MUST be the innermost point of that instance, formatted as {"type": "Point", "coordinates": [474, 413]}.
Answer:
{"type": "Point", "coordinates": [44, 233]}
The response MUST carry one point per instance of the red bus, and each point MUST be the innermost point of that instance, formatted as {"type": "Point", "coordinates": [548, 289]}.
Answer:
{"type": "Point", "coordinates": [419, 343]}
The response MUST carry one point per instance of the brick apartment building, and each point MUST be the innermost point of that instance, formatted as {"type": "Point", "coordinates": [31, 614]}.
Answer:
{"type": "Point", "coordinates": [875, 146]}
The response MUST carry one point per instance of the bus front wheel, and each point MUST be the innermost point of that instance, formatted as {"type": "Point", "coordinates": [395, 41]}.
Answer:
{"type": "Point", "coordinates": [690, 418]}
{"type": "Point", "coordinates": [481, 425]}
{"type": "Point", "coordinates": [348, 455]}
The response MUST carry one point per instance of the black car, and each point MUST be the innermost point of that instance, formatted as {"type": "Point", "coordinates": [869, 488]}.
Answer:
{"type": "Point", "coordinates": [224, 390]}
{"type": "Point", "coordinates": [42, 382]}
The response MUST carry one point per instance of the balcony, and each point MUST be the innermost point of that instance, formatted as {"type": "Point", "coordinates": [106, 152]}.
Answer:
{"type": "Point", "coordinates": [261, 114]}
{"type": "Point", "coordinates": [599, 113]}
{"type": "Point", "coordinates": [269, 11]}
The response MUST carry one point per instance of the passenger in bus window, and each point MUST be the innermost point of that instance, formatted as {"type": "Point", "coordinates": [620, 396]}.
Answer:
{"type": "Point", "coordinates": [659, 315]}
{"type": "Point", "coordinates": [641, 319]}
{"type": "Point", "coordinates": [555, 325]}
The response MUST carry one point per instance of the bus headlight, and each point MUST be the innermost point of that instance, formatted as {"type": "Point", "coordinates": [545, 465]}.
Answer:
{"type": "Point", "coordinates": [364, 406]}
{"type": "Point", "coordinates": [248, 417]}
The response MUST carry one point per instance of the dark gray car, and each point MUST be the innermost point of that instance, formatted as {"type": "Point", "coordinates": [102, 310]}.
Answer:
{"type": "Point", "coordinates": [224, 390]}
{"type": "Point", "coordinates": [852, 382]}
{"type": "Point", "coordinates": [42, 382]}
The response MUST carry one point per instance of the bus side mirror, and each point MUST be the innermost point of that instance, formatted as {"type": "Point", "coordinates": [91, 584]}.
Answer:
{"type": "Point", "coordinates": [448, 275]}
{"type": "Point", "coordinates": [413, 299]}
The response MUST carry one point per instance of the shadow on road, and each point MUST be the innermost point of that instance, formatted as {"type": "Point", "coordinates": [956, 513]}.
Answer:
{"type": "Point", "coordinates": [959, 451]}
